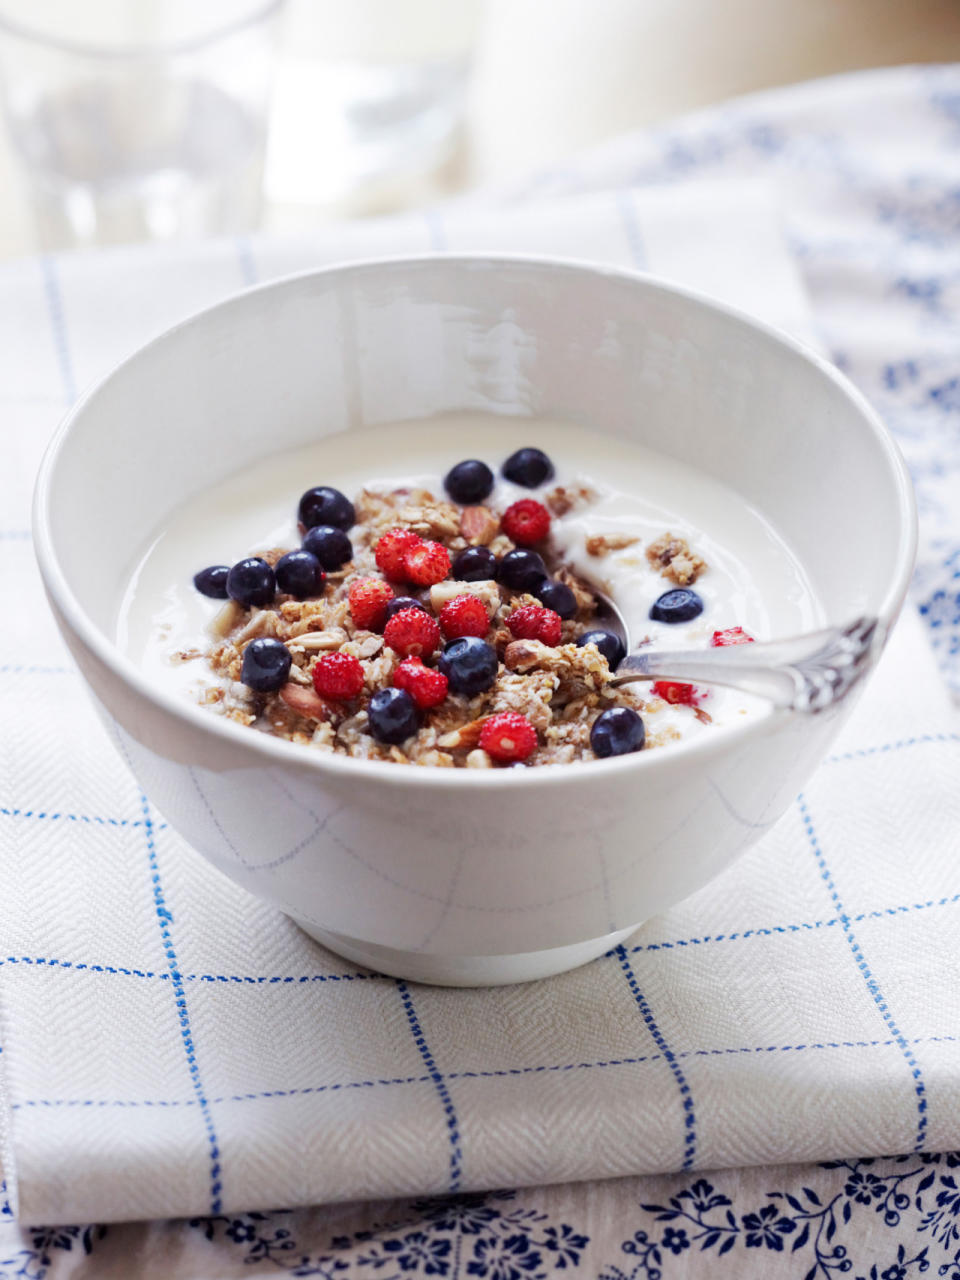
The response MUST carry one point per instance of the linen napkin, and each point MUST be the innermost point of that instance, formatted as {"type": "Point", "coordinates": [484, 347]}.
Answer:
{"type": "Point", "coordinates": [171, 1046]}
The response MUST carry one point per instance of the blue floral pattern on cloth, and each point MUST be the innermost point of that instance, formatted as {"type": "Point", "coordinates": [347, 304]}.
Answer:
{"type": "Point", "coordinates": [912, 1201]}
{"type": "Point", "coordinates": [879, 246]}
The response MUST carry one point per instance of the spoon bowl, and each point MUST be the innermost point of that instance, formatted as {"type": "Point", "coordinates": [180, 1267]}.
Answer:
{"type": "Point", "coordinates": [805, 673]}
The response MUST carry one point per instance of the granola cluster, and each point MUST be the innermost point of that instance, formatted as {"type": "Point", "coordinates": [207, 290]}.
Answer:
{"type": "Point", "coordinates": [560, 689]}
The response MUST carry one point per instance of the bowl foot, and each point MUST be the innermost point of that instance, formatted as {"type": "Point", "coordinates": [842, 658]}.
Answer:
{"type": "Point", "coordinates": [465, 971]}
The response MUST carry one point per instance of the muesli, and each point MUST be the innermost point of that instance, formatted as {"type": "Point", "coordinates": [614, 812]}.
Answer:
{"type": "Point", "coordinates": [441, 631]}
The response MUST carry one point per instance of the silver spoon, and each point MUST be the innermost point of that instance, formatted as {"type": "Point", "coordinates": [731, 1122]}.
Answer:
{"type": "Point", "coordinates": [805, 673]}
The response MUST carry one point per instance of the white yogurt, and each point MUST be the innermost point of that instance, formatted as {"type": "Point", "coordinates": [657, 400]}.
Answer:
{"type": "Point", "coordinates": [753, 579]}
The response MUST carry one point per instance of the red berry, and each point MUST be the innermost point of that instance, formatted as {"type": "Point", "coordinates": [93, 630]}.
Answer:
{"type": "Point", "coordinates": [390, 550]}
{"type": "Point", "coordinates": [368, 603]}
{"type": "Point", "coordinates": [426, 563]}
{"type": "Point", "coordinates": [412, 632]}
{"type": "Point", "coordinates": [533, 622]}
{"type": "Point", "coordinates": [426, 687]}
{"type": "Point", "coordinates": [732, 635]}
{"type": "Point", "coordinates": [464, 615]}
{"type": "Point", "coordinates": [684, 695]}
{"type": "Point", "coordinates": [508, 737]}
{"type": "Point", "coordinates": [526, 522]}
{"type": "Point", "coordinates": [337, 675]}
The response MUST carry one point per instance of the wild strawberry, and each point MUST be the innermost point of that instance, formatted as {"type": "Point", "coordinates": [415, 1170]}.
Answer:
{"type": "Point", "coordinates": [682, 695]}
{"type": "Point", "coordinates": [464, 615]}
{"type": "Point", "coordinates": [526, 522]}
{"type": "Point", "coordinates": [390, 550]}
{"type": "Point", "coordinates": [412, 632]}
{"type": "Point", "coordinates": [732, 635]}
{"type": "Point", "coordinates": [425, 564]}
{"type": "Point", "coordinates": [508, 737]}
{"type": "Point", "coordinates": [337, 675]}
{"type": "Point", "coordinates": [533, 622]}
{"type": "Point", "coordinates": [426, 687]}
{"type": "Point", "coordinates": [368, 603]}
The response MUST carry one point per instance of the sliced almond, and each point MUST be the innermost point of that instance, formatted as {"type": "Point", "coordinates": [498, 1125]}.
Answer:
{"type": "Point", "coordinates": [305, 702]}
{"type": "Point", "coordinates": [314, 641]}
{"type": "Point", "coordinates": [479, 525]}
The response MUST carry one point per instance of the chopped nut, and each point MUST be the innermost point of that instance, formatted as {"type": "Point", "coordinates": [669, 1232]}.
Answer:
{"type": "Point", "coordinates": [602, 543]}
{"type": "Point", "coordinates": [314, 641]}
{"type": "Point", "coordinates": [226, 619]}
{"type": "Point", "coordinates": [478, 759]}
{"type": "Point", "coordinates": [263, 623]}
{"type": "Point", "coordinates": [673, 557]}
{"type": "Point", "coordinates": [305, 702]}
{"type": "Point", "coordinates": [479, 525]}
{"type": "Point", "coordinates": [464, 738]}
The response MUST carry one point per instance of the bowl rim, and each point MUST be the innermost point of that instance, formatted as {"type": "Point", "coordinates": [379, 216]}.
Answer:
{"type": "Point", "coordinates": [274, 750]}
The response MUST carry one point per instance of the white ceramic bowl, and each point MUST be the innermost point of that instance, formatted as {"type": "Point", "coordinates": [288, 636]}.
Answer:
{"type": "Point", "coordinates": [466, 876]}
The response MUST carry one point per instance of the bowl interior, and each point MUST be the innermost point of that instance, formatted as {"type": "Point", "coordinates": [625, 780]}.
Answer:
{"type": "Point", "coordinates": [288, 363]}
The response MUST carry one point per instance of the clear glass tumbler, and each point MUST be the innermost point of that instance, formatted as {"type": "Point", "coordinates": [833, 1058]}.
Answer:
{"type": "Point", "coordinates": [139, 120]}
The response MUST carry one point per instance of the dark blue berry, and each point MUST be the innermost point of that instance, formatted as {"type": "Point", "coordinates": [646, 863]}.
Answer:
{"type": "Point", "coordinates": [299, 574]}
{"type": "Point", "coordinates": [609, 644]}
{"type": "Point", "coordinates": [557, 596]}
{"type": "Point", "coordinates": [403, 602]}
{"type": "Point", "coordinates": [617, 732]}
{"type": "Point", "coordinates": [529, 467]}
{"type": "Point", "coordinates": [469, 664]}
{"type": "Point", "coordinates": [329, 544]}
{"type": "Point", "coordinates": [521, 569]}
{"type": "Point", "coordinates": [392, 715]}
{"type": "Point", "coordinates": [679, 605]}
{"type": "Point", "coordinates": [252, 582]}
{"type": "Point", "coordinates": [266, 665]}
{"type": "Point", "coordinates": [212, 582]}
{"type": "Point", "coordinates": [474, 564]}
{"type": "Point", "coordinates": [324, 505]}
{"type": "Point", "coordinates": [469, 482]}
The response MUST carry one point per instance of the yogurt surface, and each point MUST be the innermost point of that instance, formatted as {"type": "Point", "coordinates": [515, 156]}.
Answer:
{"type": "Point", "coordinates": [752, 580]}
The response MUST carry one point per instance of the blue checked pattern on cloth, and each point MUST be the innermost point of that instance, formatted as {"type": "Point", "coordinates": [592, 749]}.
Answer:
{"type": "Point", "coordinates": [172, 1047]}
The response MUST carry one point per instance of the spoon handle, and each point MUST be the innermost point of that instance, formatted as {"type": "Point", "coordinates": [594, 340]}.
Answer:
{"type": "Point", "coordinates": [806, 673]}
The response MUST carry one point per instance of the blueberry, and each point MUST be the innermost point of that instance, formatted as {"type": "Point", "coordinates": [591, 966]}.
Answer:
{"type": "Point", "coordinates": [299, 574]}
{"type": "Point", "coordinates": [329, 544]}
{"type": "Point", "coordinates": [266, 665]}
{"type": "Point", "coordinates": [474, 564]}
{"type": "Point", "coordinates": [324, 505]}
{"type": "Point", "coordinates": [609, 644]}
{"type": "Point", "coordinates": [556, 596]}
{"type": "Point", "coordinates": [521, 569]}
{"type": "Point", "coordinates": [529, 467]}
{"type": "Point", "coordinates": [469, 482]}
{"type": "Point", "coordinates": [392, 714]}
{"type": "Point", "coordinates": [679, 605]}
{"type": "Point", "coordinates": [403, 602]}
{"type": "Point", "coordinates": [469, 664]}
{"type": "Point", "coordinates": [212, 582]}
{"type": "Point", "coordinates": [617, 732]}
{"type": "Point", "coordinates": [251, 582]}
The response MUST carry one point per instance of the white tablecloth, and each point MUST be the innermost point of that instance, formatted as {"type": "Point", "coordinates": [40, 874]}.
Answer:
{"type": "Point", "coordinates": [733, 1030]}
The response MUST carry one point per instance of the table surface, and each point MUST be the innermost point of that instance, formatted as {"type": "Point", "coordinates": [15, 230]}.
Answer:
{"type": "Point", "coordinates": [553, 77]}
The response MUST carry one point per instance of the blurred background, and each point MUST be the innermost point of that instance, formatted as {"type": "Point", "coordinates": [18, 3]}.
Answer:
{"type": "Point", "coordinates": [129, 120]}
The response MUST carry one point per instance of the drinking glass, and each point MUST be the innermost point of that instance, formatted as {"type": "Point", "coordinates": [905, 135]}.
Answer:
{"type": "Point", "coordinates": [143, 120]}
